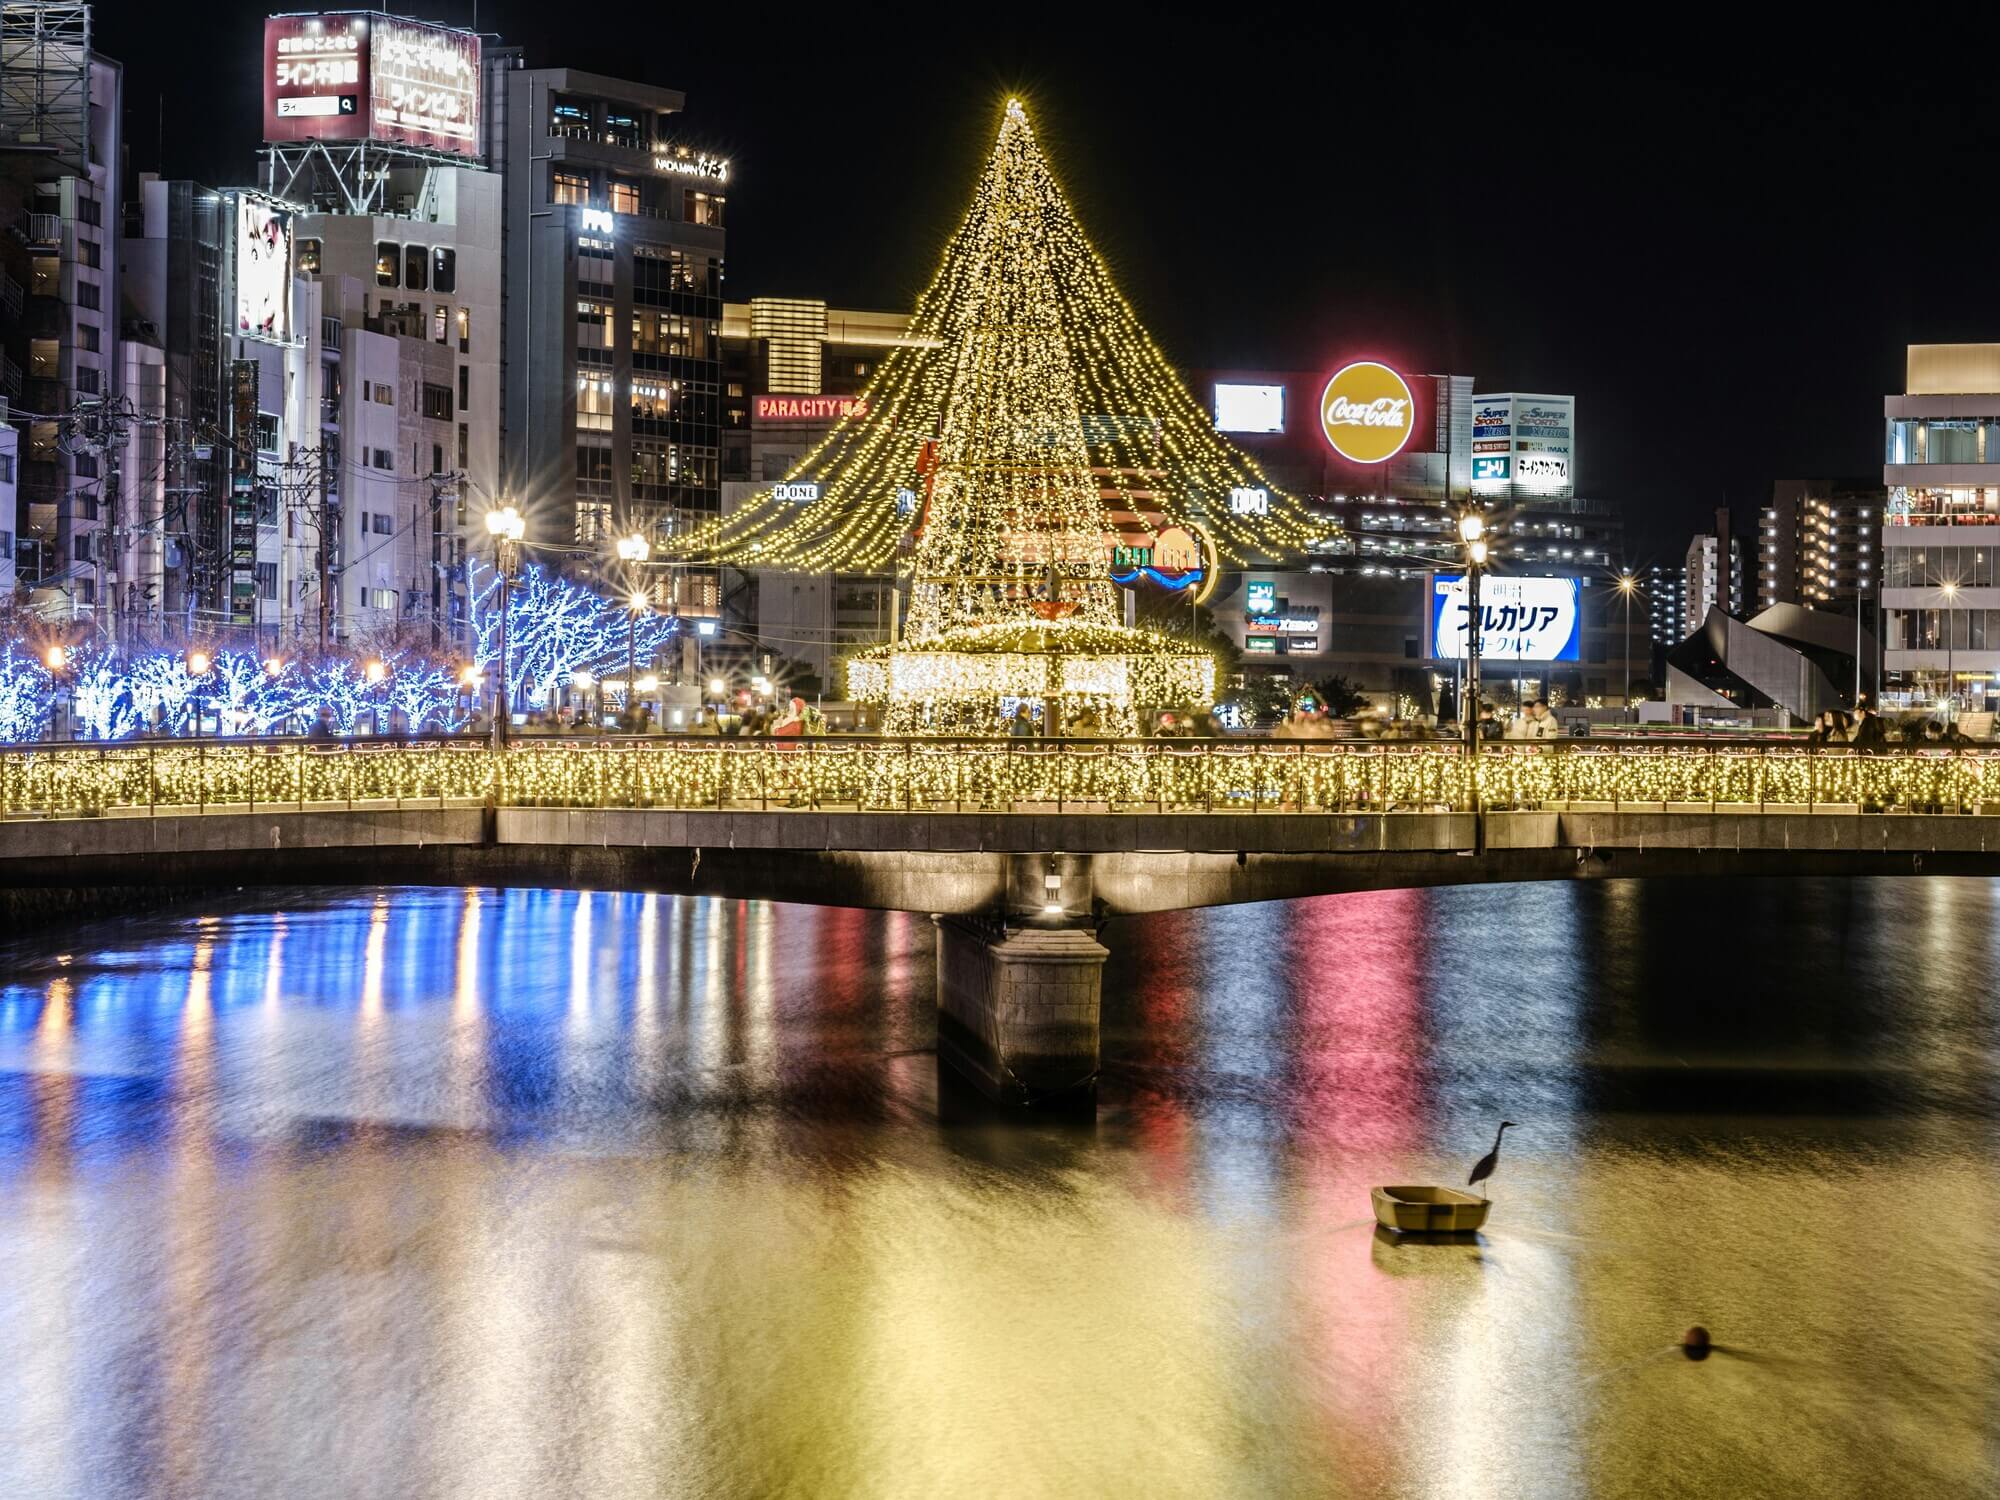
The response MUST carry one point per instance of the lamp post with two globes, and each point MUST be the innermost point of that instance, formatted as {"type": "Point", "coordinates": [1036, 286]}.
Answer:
{"type": "Point", "coordinates": [506, 528]}
{"type": "Point", "coordinates": [1472, 532]}
{"type": "Point", "coordinates": [633, 550]}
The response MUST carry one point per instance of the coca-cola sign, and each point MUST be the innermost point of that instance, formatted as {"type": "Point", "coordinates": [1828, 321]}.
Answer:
{"type": "Point", "coordinates": [1367, 412]}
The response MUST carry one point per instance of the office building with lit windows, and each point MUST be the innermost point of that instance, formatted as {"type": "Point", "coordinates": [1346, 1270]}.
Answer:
{"type": "Point", "coordinates": [612, 262]}
{"type": "Point", "coordinates": [1940, 572]}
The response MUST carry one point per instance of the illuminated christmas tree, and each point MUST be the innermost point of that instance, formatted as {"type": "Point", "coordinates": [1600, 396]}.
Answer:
{"type": "Point", "coordinates": [1029, 420]}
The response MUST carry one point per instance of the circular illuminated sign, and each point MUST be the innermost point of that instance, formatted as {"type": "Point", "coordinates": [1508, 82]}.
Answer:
{"type": "Point", "coordinates": [1367, 412]}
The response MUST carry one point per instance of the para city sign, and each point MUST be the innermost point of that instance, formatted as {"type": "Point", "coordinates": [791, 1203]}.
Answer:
{"type": "Point", "coordinates": [1367, 412]}
{"type": "Point", "coordinates": [1179, 559]}
{"type": "Point", "coordinates": [808, 408]}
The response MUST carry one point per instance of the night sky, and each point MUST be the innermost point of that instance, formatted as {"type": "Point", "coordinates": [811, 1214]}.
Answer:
{"type": "Point", "coordinates": [1718, 240]}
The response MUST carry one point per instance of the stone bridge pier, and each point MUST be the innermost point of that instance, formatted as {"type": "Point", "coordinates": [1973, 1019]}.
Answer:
{"type": "Point", "coordinates": [1018, 992]}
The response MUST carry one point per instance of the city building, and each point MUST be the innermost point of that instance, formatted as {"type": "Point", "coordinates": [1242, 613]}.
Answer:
{"type": "Point", "coordinates": [1819, 543]}
{"type": "Point", "coordinates": [60, 155]}
{"type": "Point", "coordinates": [10, 450]}
{"type": "Point", "coordinates": [1360, 610]}
{"type": "Point", "coordinates": [410, 341]}
{"type": "Point", "coordinates": [792, 367]}
{"type": "Point", "coordinates": [612, 263]}
{"type": "Point", "coordinates": [1666, 603]}
{"type": "Point", "coordinates": [1941, 469]}
{"type": "Point", "coordinates": [1714, 575]}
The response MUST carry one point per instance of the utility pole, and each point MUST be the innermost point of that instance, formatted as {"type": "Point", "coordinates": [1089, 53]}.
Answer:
{"type": "Point", "coordinates": [325, 555]}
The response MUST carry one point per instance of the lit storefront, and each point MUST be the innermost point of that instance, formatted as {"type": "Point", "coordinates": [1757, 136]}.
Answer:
{"type": "Point", "coordinates": [1940, 573]}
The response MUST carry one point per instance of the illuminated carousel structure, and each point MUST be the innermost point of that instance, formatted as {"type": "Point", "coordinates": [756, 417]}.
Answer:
{"type": "Point", "coordinates": [1027, 443]}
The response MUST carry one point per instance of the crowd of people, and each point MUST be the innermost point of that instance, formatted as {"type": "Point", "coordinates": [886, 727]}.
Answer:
{"type": "Point", "coordinates": [1864, 729]}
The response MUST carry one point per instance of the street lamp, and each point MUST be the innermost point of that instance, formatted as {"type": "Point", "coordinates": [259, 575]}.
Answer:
{"type": "Point", "coordinates": [1472, 533]}
{"type": "Point", "coordinates": [195, 665]}
{"type": "Point", "coordinates": [632, 551]}
{"type": "Point", "coordinates": [506, 528]}
{"type": "Point", "coordinates": [1628, 585]}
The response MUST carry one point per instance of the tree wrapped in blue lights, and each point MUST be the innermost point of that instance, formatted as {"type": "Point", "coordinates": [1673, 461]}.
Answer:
{"type": "Point", "coordinates": [100, 694]}
{"type": "Point", "coordinates": [163, 693]}
{"type": "Point", "coordinates": [426, 695]}
{"type": "Point", "coordinates": [557, 628]}
{"type": "Point", "coordinates": [26, 694]}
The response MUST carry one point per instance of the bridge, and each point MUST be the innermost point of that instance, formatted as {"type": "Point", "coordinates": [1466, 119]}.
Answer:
{"type": "Point", "coordinates": [1018, 849]}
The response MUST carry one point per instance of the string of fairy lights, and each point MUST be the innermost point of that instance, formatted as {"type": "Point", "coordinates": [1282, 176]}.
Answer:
{"type": "Point", "coordinates": [1021, 310]}
{"type": "Point", "coordinates": [1000, 775]}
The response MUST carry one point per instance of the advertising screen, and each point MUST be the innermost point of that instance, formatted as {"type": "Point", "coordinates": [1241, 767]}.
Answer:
{"type": "Point", "coordinates": [345, 76]}
{"type": "Point", "coordinates": [424, 86]}
{"type": "Point", "coordinates": [316, 78]}
{"type": "Point", "coordinates": [1249, 408]}
{"type": "Point", "coordinates": [1520, 619]}
{"type": "Point", "coordinates": [263, 269]}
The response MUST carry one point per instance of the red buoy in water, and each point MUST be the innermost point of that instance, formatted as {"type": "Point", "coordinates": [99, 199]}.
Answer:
{"type": "Point", "coordinates": [1694, 1343]}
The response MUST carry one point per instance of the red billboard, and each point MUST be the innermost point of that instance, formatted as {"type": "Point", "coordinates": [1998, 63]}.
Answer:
{"type": "Point", "coordinates": [316, 78]}
{"type": "Point", "coordinates": [347, 76]}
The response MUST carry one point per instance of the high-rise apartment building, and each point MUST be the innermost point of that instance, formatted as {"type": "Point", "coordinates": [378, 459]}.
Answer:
{"type": "Point", "coordinates": [1819, 543]}
{"type": "Point", "coordinates": [1713, 578]}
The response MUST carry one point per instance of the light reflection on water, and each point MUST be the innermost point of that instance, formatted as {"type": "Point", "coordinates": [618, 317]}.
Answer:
{"type": "Point", "coordinates": [542, 1192]}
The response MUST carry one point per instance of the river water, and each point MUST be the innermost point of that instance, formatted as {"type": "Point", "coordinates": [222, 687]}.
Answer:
{"type": "Point", "coordinates": [544, 1193]}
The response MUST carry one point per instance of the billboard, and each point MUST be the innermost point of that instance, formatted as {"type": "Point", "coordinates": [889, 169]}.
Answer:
{"type": "Point", "coordinates": [1520, 619]}
{"type": "Point", "coordinates": [1367, 412]}
{"type": "Point", "coordinates": [263, 269]}
{"type": "Point", "coordinates": [424, 86]}
{"type": "Point", "coordinates": [316, 78]}
{"type": "Point", "coordinates": [345, 76]}
{"type": "Point", "coordinates": [1249, 408]}
{"type": "Point", "coordinates": [1524, 445]}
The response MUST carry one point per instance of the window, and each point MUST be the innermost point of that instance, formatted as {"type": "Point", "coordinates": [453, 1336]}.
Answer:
{"type": "Point", "coordinates": [382, 525]}
{"type": "Point", "coordinates": [416, 264]}
{"type": "Point", "coordinates": [88, 209]}
{"type": "Point", "coordinates": [444, 270]}
{"type": "Point", "coordinates": [663, 268]}
{"type": "Point", "coordinates": [464, 386]}
{"type": "Point", "coordinates": [624, 197]}
{"type": "Point", "coordinates": [267, 581]}
{"type": "Point", "coordinates": [571, 187]}
{"type": "Point", "coordinates": [86, 465]}
{"type": "Point", "coordinates": [593, 464]}
{"type": "Point", "coordinates": [440, 324]}
{"type": "Point", "coordinates": [386, 260]}
{"type": "Point", "coordinates": [6, 468]}
{"type": "Point", "coordinates": [87, 380]}
{"type": "Point", "coordinates": [88, 336]}
{"type": "Point", "coordinates": [464, 331]}
{"type": "Point", "coordinates": [88, 295]}
{"type": "Point", "coordinates": [267, 505]}
{"type": "Point", "coordinates": [437, 402]}
{"type": "Point", "coordinates": [593, 324]}
{"type": "Point", "coordinates": [381, 392]}
{"type": "Point", "coordinates": [652, 400]}
{"type": "Point", "coordinates": [81, 546]}
{"type": "Point", "coordinates": [464, 447]}
{"type": "Point", "coordinates": [702, 208]}
{"type": "Point", "coordinates": [381, 458]}
{"type": "Point", "coordinates": [669, 334]}
{"type": "Point", "coordinates": [267, 432]}
{"type": "Point", "coordinates": [90, 253]}
{"type": "Point", "coordinates": [309, 254]}
{"type": "Point", "coordinates": [593, 403]}
{"type": "Point", "coordinates": [45, 276]}
{"type": "Point", "coordinates": [437, 458]}
{"type": "Point", "coordinates": [621, 128]}
{"type": "Point", "coordinates": [569, 117]}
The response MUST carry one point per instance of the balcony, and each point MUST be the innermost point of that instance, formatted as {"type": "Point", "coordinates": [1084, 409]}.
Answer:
{"type": "Point", "coordinates": [44, 229]}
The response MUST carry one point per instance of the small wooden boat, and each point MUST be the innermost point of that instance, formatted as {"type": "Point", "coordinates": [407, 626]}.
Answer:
{"type": "Point", "coordinates": [1436, 1209]}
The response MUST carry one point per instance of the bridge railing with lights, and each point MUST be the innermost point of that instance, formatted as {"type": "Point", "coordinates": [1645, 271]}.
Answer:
{"type": "Point", "coordinates": [989, 775]}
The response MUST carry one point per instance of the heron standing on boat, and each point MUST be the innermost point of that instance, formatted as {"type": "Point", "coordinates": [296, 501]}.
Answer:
{"type": "Point", "coordinates": [1483, 1168]}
